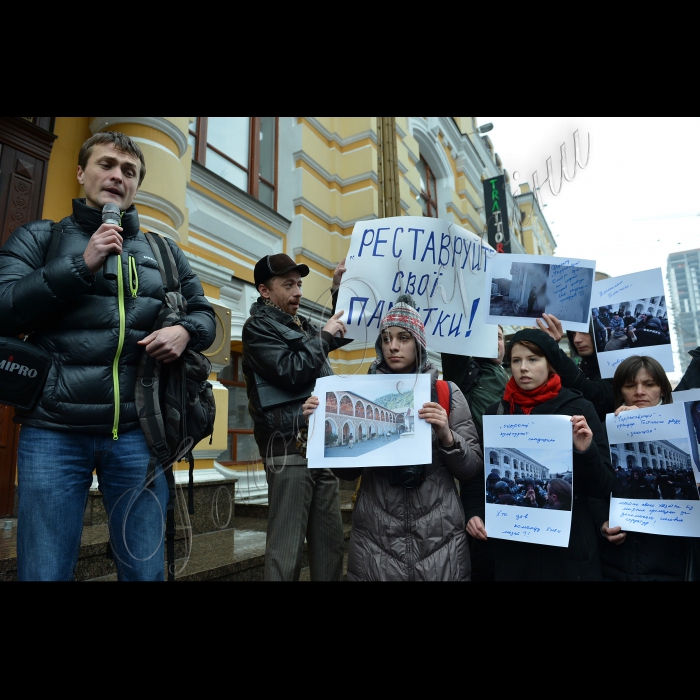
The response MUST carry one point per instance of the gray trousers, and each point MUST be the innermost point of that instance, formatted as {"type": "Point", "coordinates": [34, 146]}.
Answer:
{"type": "Point", "coordinates": [303, 503]}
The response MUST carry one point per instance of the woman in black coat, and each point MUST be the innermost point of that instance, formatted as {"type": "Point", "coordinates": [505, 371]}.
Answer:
{"type": "Point", "coordinates": [535, 389]}
{"type": "Point", "coordinates": [640, 382]}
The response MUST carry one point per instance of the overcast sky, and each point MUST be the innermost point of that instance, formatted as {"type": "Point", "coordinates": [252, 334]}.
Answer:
{"type": "Point", "coordinates": [637, 200]}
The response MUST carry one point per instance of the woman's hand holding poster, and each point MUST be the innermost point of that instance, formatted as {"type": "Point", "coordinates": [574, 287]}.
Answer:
{"type": "Point", "coordinates": [369, 421]}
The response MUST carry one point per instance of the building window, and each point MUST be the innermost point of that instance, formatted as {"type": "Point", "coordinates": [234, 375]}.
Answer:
{"type": "Point", "coordinates": [428, 189]}
{"type": "Point", "coordinates": [242, 150]}
{"type": "Point", "coordinates": [242, 448]}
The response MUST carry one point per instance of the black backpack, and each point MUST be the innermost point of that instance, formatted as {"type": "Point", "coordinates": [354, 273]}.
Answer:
{"type": "Point", "coordinates": [175, 402]}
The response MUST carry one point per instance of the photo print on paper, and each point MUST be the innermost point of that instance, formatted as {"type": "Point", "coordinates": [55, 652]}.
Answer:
{"type": "Point", "coordinates": [654, 470]}
{"type": "Point", "coordinates": [631, 325]}
{"type": "Point", "coordinates": [521, 288]}
{"type": "Point", "coordinates": [355, 425]}
{"type": "Point", "coordinates": [515, 478]}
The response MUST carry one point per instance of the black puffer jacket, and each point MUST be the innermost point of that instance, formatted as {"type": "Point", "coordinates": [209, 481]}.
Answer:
{"type": "Point", "coordinates": [593, 476]}
{"type": "Point", "coordinates": [80, 318]}
{"type": "Point", "coordinates": [289, 357]}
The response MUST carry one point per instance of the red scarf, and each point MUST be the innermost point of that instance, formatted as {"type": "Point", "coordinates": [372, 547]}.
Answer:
{"type": "Point", "coordinates": [527, 400]}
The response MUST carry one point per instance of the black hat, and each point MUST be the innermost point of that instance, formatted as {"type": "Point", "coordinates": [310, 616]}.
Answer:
{"type": "Point", "coordinates": [549, 346]}
{"type": "Point", "coordinates": [273, 265]}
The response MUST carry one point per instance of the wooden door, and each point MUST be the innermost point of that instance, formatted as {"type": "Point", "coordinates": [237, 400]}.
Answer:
{"type": "Point", "coordinates": [25, 147]}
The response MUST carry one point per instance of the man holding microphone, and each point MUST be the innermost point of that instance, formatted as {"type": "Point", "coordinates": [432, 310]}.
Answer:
{"type": "Point", "coordinates": [95, 327]}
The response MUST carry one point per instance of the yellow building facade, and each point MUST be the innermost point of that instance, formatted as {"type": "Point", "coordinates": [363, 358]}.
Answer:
{"type": "Point", "coordinates": [230, 190]}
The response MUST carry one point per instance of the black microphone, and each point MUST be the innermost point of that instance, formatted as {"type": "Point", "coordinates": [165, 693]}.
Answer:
{"type": "Point", "coordinates": [111, 215]}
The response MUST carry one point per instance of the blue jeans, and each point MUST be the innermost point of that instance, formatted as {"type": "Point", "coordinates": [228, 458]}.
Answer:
{"type": "Point", "coordinates": [54, 473]}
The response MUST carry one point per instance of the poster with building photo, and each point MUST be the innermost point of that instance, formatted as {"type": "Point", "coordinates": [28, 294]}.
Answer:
{"type": "Point", "coordinates": [441, 265]}
{"type": "Point", "coordinates": [528, 478]}
{"type": "Point", "coordinates": [523, 287]}
{"type": "Point", "coordinates": [629, 317]}
{"type": "Point", "coordinates": [369, 421]}
{"type": "Point", "coordinates": [654, 452]}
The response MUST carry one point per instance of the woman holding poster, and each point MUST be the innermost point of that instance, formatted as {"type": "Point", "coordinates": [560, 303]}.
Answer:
{"type": "Point", "coordinates": [408, 523]}
{"type": "Point", "coordinates": [535, 388]}
{"type": "Point", "coordinates": [641, 382]}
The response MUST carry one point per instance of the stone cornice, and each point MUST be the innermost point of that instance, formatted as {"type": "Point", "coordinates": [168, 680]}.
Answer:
{"type": "Point", "coordinates": [150, 223]}
{"type": "Point", "coordinates": [162, 205]}
{"type": "Point", "coordinates": [315, 257]}
{"type": "Point", "coordinates": [159, 123]}
{"type": "Point", "coordinates": [329, 177]}
{"type": "Point", "coordinates": [333, 136]}
{"type": "Point", "coordinates": [236, 196]}
{"type": "Point", "coordinates": [209, 272]}
{"type": "Point", "coordinates": [330, 220]}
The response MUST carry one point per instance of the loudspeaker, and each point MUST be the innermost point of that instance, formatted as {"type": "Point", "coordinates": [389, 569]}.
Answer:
{"type": "Point", "coordinates": [219, 352]}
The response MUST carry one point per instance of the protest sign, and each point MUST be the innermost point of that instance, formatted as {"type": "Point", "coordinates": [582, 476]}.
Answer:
{"type": "Point", "coordinates": [523, 287]}
{"type": "Point", "coordinates": [370, 421]}
{"type": "Point", "coordinates": [654, 452]}
{"type": "Point", "coordinates": [441, 265]}
{"type": "Point", "coordinates": [630, 318]}
{"type": "Point", "coordinates": [529, 447]}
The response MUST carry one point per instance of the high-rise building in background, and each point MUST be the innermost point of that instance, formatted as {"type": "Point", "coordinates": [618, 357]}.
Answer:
{"type": "Point", "coordinates": [684, 283]}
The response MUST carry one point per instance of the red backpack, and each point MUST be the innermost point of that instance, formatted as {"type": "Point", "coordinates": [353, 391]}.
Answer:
{"type": "Point", "coordinates": [444, 393]}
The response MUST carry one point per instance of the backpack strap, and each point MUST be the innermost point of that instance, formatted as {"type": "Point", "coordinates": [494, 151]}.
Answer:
{"type": "Point", "coordinates": [166, 261]}
{"type": "Point", "coordinates": [444, 392]}
{"type": "Point", "coordinates": [150, 370]}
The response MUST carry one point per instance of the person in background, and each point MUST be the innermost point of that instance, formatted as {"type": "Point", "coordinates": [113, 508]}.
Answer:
{"type": "Point", "coordinates": [285, 349]}
{"type": "Point", "coordinates": [558, 495]}
{"type": "Point", "coordinates": [584, 377]}
{"type": "Point", "coordinates": [482, 381]}
{"type": "Point", "coordinates": [691, 378]}
{"type": "Point", "coordinates": [536, 389]}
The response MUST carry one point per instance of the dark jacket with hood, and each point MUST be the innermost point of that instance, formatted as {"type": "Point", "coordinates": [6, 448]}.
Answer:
{"type": "Point", "coordinates": [586, 378]}
{"type": "Point", "coordinates": [592, 476]}
{"type": "Point", "coordinates": [691, 378]}
{"type": "Point", "coordinates": [417, 534]}
{"type": "Point", "coordinates": [290, 357]}
{"type": "Point", "coordinates": [89, 325]}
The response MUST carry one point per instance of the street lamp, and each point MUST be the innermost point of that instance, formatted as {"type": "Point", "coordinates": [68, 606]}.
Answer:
{"type": "Point", "coordinates": [482, 129]}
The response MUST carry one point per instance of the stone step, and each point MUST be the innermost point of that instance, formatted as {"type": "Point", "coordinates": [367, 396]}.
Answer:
{"type": "Point", "coordinates": [237, 554]}
{"type": "Point", "coordinates": [260, 510]}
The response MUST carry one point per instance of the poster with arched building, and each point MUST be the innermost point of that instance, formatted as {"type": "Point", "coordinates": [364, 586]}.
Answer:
{"type": "Point", "coordinates": [528, 478]}
{"type": "Point", "coordinates": [654, 452]}
{"type": "Point", "coordinates": [369, 421]}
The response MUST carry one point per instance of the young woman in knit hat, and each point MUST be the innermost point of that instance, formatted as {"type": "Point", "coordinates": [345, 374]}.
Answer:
{"type": "Point", "coordinates": [535, 389]}
{"type": "Point", "coordinates": [408, 522]}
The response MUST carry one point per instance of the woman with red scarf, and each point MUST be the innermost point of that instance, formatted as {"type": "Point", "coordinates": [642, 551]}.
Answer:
{"type": "Point", "coordinates": [535, 388]}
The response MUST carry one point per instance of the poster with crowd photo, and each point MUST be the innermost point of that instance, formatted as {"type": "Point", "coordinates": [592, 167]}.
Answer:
{"type": "Point", "coordinates": [629, 317]}
{"type": "Point", "coordinates": [523, 287]}
{"type": "Point", "coordinates": [369, 421]}
{"type": "Point", "coordinates": [528, 478]}
{"type": "Point", "coordinates": [441, 265]}
{"type": "Point", "coordinates": [654, 452]}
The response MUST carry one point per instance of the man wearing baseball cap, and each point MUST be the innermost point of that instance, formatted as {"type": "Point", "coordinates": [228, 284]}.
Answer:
{"type": "Point", "coordinates": [283, 355]}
